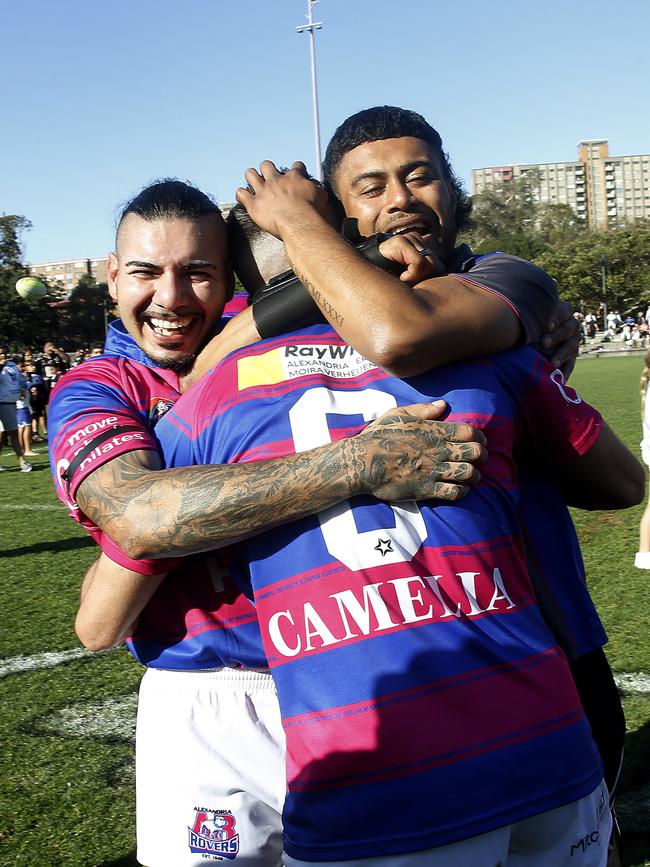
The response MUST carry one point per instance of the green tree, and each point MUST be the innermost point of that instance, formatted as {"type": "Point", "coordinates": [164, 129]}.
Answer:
{"type": "Point", "coordinates": [22, 323]}
{"type": "Point", "coordinates": [594, 269]}
{"type": "Point", "coordinates": [624, 256]}
{"type": "Point", "coordinates": [87, 312]}
{"type": "Point", "coordinates": [513, 219]}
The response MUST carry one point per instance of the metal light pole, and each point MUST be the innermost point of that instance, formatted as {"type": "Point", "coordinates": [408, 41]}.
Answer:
{"type": "Point", "coordinates": [603, 274]}
{"type": "Point", "coordinates": [310, 27]}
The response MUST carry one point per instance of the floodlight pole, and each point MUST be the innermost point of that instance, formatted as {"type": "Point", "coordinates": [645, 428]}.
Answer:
{"type": "Point", "coordinates": [309, 28]}
{"type": "Point", "coordinates": [604, 262]}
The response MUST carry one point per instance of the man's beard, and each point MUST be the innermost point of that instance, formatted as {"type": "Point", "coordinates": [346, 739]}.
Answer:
{"type": "Point", "coordinates": [181, 365]}
{"type": "Point", "coordinates": [185, 363]}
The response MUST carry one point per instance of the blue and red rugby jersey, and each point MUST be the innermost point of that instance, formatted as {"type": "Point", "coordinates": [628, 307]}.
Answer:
{"type": "Point", "coordinates": [105, 407]}
{"type": "Point", "coordinates": [424, 698]}
{"type": "Point", "coordinates": [197, 619]}
{"type": "Point", "coordinates": [556, 566]}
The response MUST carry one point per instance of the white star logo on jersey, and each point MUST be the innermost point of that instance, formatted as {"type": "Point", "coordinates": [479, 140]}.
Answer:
{"type": "Point", "coordinates": [383, 546]}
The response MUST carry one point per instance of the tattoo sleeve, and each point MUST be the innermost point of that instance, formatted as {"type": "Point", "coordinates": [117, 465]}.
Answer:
{"type": "Point", "coordinates": [152, 512]}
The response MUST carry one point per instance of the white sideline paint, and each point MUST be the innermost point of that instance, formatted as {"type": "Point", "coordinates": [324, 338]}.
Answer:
{"type": "Point", "coordinates": [116, 717]}
{"type": "Point", "coordinates": [10, 507]}
{"type": "Point", "coordinates": [38, 661]}
{"type": "Point", "coordinates": [633, 681]}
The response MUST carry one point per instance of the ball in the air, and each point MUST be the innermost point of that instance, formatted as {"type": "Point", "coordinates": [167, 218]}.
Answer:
{"type": "Point", "coordinates": [30, 288]}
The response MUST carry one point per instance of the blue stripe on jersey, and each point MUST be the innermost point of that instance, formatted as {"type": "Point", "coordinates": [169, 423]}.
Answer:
{"type": "Point", "coordinates": [238, 646]}
{"type": "Point", "coordinates": [450, 795]}
{"type": "Point", "coordinates": [496, 639]}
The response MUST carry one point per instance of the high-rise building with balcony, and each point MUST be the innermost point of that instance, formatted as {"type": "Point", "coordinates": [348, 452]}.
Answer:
{"type": "Point", "coordinates": [605, 191]}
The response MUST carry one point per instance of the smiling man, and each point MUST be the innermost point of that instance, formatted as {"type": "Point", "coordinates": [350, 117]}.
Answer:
{"type": "Point", "coordinates": [399, 187]}
{"type": "Point", "coordinates": [388, 168]}
{"type": "Point", "coordinates": [210, 759]}
{"type": "Point", "coordinates": [171, 279]}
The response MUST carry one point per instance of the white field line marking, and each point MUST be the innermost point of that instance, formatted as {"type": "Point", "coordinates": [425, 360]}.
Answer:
{"type": "Point", "coordinates": [38, 661]}
{"type": "Point", "coordinates": [114, 717]}
{"type": "Point", "coordinates": [46, 507]}
{"type": "Point", "coordinates": [633, 681]}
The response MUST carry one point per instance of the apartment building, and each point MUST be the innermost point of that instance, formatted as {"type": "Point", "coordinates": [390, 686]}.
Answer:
{"type": "Point", "coordinates": [69, 271]}
{"type": "Point", "coordinates": [604, 190]}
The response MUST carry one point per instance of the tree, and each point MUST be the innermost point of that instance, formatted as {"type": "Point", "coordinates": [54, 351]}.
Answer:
{"type": "Point", "coordinates": [22, 323]}
{"type": "Point", "coordinates": [624, 255]}
{"type": "Point", "coordinates": [513, 219]}
{"type": "Point", "coordinates": [87, 312]}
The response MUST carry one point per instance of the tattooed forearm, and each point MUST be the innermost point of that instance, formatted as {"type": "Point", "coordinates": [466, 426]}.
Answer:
{"type": "Point", "coordinates": [190, 509]}
{"type": "Point", "coordinates": [332, 315]}
{"type": "Point", "coordinates": [157, 513]}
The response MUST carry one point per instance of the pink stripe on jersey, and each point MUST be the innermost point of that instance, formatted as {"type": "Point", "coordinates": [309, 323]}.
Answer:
{"type": "Point", "coordinates": [384, 746]}
{"type": "Point", "coordinates": [229, 616]}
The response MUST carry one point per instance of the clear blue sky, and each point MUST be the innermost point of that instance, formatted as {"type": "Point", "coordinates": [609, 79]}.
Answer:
{"type": "Point", "coordinates": [102, 96]}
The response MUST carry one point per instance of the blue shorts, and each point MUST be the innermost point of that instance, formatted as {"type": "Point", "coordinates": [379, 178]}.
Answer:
{"type": "Point", "coordinates": [23, 417]}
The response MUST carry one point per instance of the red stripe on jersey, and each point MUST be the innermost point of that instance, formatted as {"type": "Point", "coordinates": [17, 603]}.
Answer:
{"type": "Point", "coordinates": [405, 733]}
{"type": "Point", "coordinates": [326, 609]}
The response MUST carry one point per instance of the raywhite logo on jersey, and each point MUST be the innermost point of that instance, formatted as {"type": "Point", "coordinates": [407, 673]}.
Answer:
{"type": "Point", "coordinates": [301, 359]}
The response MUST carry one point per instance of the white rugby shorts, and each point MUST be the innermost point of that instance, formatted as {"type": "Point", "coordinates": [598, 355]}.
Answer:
{"type": "Point", "coordinates": [210, 772]}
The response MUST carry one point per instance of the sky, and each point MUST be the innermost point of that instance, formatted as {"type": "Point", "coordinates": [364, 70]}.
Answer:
{"type": "Point", "coordinates": [100, 97]}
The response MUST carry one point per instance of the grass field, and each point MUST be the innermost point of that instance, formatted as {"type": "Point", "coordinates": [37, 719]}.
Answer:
{"type": "Point", "coordinates": [67, 717]}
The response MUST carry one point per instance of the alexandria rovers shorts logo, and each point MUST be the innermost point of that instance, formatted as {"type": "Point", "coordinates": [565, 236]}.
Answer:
{"type": "Point", "coordinates": [213, 834]}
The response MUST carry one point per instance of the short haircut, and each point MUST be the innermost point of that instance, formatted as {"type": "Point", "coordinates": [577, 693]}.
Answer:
{"type": "Point", "coordinates": [256, 256]}
{"type": "Point", "coordinates": [243, 231]}
{"type": "Point", "coordinates": [384, 122]}
{"type": "Point", "coordinates": [170, 199]}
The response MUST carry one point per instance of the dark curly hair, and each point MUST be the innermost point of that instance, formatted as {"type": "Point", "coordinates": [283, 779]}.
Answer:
{"type": "Point", "coordinates": [389, 121]}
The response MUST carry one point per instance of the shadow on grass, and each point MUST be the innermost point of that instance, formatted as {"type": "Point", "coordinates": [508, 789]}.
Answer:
{"type": "Point", "coordinates": [53, 547]}
{"type": "Point", "coordinates": [126, 861]}
{"type": "Point", "coordinates": [633, 798]}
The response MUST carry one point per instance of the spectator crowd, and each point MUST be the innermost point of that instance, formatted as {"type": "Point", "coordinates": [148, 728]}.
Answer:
{"type": "Point", "coordinates": [633, 330]}
{"type": "Point", "coordinates": [27, 377]}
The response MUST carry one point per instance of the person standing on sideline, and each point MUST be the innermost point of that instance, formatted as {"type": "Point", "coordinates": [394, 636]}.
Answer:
{"type": "Point", "coordinates": [10, 391]}
{"type": "Point", "coordinates": [642, 558]}
{"type": "Point", "coordinates": [24, 414]}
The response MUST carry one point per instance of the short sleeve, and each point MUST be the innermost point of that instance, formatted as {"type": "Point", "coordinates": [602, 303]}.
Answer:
{"type": "Point", "coordinates": [142, 567]}
{"type": "Point", "coordinates": [557, 422]}
{"type": "Point", "coordinates": [90, 422]}
{"type": "Point", "coordinates": [528, 290]}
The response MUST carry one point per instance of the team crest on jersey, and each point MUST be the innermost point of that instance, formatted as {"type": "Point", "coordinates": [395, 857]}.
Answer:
{"type": "Point", "coordinates": [213, 834]}
{"type": "Point", "coordinates": [158, 407]}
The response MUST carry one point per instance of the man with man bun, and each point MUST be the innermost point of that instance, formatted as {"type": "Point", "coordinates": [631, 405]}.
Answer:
{"type": "Point", "coordinates": [195, 631]}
